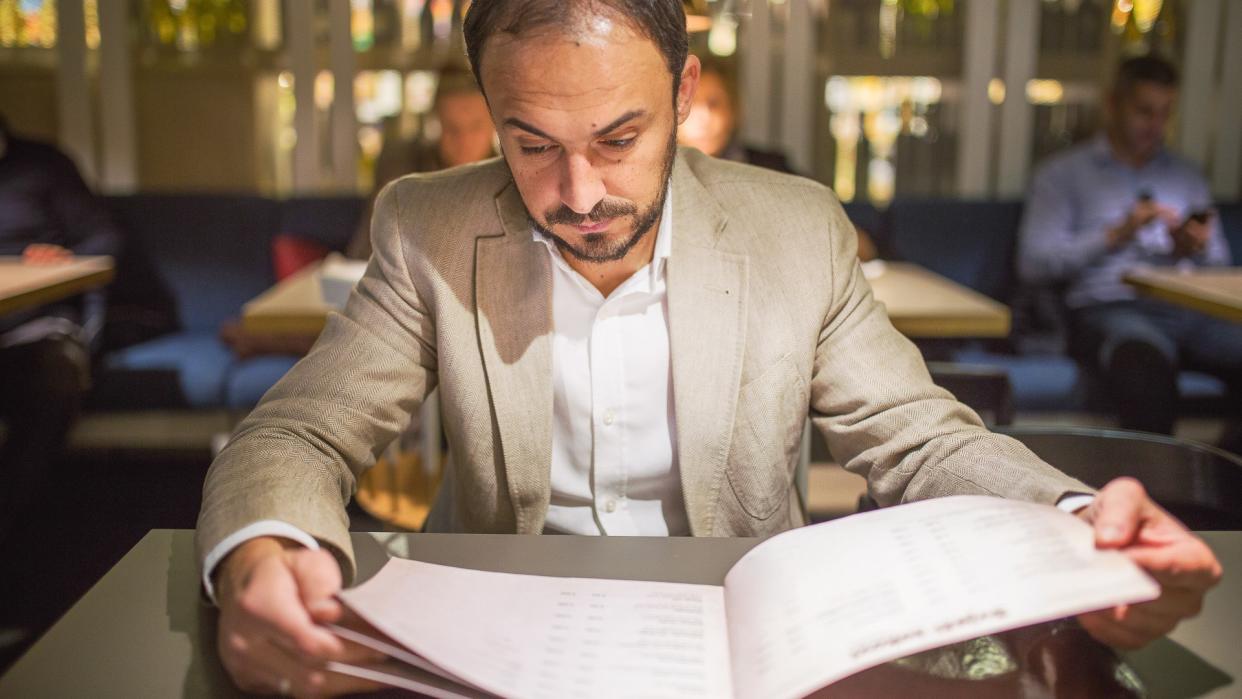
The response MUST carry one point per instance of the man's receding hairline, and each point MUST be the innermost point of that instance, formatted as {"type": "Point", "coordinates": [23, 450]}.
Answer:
{"type": "Point", "coordinates": [576, 15]}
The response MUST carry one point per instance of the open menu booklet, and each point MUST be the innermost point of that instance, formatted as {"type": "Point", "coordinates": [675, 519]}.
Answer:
{"type": "Point", "coordinates": [801, 610]}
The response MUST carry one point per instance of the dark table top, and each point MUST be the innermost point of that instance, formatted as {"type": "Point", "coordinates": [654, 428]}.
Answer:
{"type": "Point", "coordinates": [143, 630]}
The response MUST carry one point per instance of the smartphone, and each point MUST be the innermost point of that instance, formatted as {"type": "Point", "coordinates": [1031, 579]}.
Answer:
{"type": "Point", "coordinates": [1199, 215]}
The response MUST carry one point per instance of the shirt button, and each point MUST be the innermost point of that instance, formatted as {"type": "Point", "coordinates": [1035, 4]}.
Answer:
{"type": "Point", "coordinates": [609, 417]}
{"type": "Point", "coordinates": [610, 505]}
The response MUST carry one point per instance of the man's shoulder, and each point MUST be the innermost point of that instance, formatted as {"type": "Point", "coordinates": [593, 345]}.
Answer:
{"type": "Point", "coordinates": [454, 187]}
{"type": "Point", "coordinates": [1185, 168]}
{"type": "Point", "coordinates": [740, 188]}
{"type": "Point", "coordinates": [1069, 161]}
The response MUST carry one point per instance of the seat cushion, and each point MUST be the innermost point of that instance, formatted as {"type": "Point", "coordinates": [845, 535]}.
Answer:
{"type": "Point", "coordinates": [1040, 383]}
{"type": "Point", "coordinates": [249, 379]}
{"type": "Point", "coordinates": [196, 364]}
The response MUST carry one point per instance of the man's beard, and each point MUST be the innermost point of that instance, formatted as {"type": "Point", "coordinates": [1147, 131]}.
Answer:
{"type": "Point", "coordinates": [597, 248]}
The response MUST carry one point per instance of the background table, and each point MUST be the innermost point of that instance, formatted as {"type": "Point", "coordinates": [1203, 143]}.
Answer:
{"type": "Point", "coordinates": [144, 631]}
{"type": "Point", "coordinates": [921, 304]}
{"type": "Point", "coordinates": [1217, 292]}
{"type": "Point", "coordinates": [925, 305]}
{"type": "Point", "coordinates": [25, 286]}
{"type": "Point", "coordinates": [294, 306]}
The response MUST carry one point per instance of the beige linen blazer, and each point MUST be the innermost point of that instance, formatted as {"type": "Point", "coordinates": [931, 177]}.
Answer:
{"type": "Point", "coordinates": [770, 319]}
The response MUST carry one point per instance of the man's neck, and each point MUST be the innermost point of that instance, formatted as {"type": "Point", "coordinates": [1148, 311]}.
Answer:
{"type": "Point", "coordinates": [1126, 155]}
{"type": "Point", "coordinates": [607, 276]}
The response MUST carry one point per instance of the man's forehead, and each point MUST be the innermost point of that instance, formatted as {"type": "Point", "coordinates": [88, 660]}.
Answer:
{"type": "Point", "coordinates": [557, 68]}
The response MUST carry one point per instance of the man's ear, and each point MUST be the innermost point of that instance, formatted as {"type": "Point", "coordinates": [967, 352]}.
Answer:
{"type": "Point", "coordinates": [689, 83]}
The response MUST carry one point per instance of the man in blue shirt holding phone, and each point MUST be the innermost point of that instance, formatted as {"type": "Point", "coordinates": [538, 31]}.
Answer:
{"type": "Point", "coordinates": [1117, 203]}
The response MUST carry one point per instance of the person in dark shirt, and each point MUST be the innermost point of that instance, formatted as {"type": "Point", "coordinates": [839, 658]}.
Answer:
{"type": "Point", "coordinates": [47, 215]}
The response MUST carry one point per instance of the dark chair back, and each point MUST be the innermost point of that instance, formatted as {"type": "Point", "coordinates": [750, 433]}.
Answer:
{"type": "Point", "coordinates": [970, 242]}
{"type": "Point", "coordinates": [1199, 484]}
{"type": "Point", "coordinates": [986, 389]}
{"type": "Point", "coordinates": [1231, 226]}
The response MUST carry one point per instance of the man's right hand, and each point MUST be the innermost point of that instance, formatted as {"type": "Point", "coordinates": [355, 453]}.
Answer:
{"type": "Point", "coordinates": [272, 594]}
{"type": "Point", "coordinates": [1142, 213]}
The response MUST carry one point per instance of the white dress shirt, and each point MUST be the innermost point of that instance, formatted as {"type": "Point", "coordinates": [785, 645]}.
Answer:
{"type": "Point", "coordinates": [614, 438]}
{"type": "Point", "coordinates": [614, 446]}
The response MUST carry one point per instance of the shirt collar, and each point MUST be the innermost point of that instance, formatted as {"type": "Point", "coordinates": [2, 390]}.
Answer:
{"type": "Point", "coordinates": [663, 242]}
{"type": "Point", "coordinates": [1102, 150]}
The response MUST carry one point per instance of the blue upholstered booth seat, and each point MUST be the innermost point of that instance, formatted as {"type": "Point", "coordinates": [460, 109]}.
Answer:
{"type": "Point", "coordinates": [250, 379]}
{"type": "Point", "coordinates": [195, 366]}
{"type": "Point", "coordinates": [974, 244]}
{"type": "Point", "coordinates": [189, 263]}
{"type": "Point", "coordinates": [1040, 382]}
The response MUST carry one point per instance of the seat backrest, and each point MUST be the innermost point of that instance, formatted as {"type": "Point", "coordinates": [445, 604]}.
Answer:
{"type": "Point", "coordinates": [1199, 484]}
{"type": "Point", "coordinates": [985, 389]}
{"type": "Point", "coordinates": [211, 253]}
{"type": "Point", "coordinates": [1231, 225]}
{"type": "Point", "coordinates": [868, 218]}
{"type": "Point", "coordinates": [970, 242]}
{"type": "Point", "coordinates": [330, 221]}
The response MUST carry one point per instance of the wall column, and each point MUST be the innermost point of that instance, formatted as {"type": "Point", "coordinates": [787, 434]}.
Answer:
{"type": "Point", "coordinates": [301, 42]}
{"type": "Point", "coordinates": [1017, 113]}
{"type": "Point", "coordinates": [974, 133]}
{"type": "Point", "coordinates": [799, 94]}
{"type": "Point", "coordinates": [1227, 153]}
{"type": "Point", "coordinates": [1195, 107]}
{"type": "Point", "coordinates": [344, 121]}
{"type": "Point", "coordinates": [73, 94]}
{"type": "Point", "coordinates": [118, 146]}
{"type": "Point", "coordinates": [755, 67]}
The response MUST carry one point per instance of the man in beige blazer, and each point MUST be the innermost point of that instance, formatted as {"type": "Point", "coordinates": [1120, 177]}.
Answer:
{"type": "Point", "coordinates": [750, 311]}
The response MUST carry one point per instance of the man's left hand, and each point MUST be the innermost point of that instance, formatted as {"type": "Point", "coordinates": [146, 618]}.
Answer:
{"type": "Point", "coordinates": [1125, 518]}
{"type": "Point", "coordinates": [1190, 238]}
{"type": "Point", "coordinates": [45, 254]}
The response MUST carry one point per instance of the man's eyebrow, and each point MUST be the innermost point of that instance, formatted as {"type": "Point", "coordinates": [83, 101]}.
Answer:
{"type": "Point", "coordinates": [616, 123]}
{"type": "Point", "coordinates": [514, 121]}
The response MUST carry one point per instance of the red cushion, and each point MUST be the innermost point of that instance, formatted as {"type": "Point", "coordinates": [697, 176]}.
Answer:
{"type": "Point", "coordinates": [291, 253]}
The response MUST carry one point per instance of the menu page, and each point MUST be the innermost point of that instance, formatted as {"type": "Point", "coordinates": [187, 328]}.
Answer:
{"type": "Point", "coordinates": [526, 635]}
{"type": "Point", "coordinates": [814, 605]}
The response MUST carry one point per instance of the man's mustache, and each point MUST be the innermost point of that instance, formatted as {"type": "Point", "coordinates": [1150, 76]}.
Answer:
{"type": "Point", "coordinates": [605, 209]}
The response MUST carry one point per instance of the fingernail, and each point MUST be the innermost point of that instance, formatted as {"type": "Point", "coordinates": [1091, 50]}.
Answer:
{"type": "Point", "coordinates": [323, 605]}
{"type": "Point", "coordinates": [1110, 532]}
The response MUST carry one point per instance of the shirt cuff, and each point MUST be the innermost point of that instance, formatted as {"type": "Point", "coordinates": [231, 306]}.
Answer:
{"type": "Point", "coordinates": [266, 527]}
{"type": "Point", "coordinates": [1072, 502]}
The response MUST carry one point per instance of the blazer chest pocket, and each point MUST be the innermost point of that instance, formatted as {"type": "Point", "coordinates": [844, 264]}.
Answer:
{"type": "Point", "coordinates": [771, 412]}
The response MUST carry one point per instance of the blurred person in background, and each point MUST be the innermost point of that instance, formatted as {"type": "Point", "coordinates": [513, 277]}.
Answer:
{"type": "Point", "coordinates": [466, 136]}
{"type": "Point", "coordinates": [47, 216]}
{"type": "Point", "coordinates": [1121, 202]}
{"type": "Point", "coordinates": [713, 128]}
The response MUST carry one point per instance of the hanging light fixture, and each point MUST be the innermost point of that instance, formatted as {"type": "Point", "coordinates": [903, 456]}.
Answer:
{"type": "Point", "coordinates": [698, 17]}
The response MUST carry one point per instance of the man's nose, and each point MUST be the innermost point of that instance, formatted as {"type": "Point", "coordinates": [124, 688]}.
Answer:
{"type": "Point", "coordinates": [581, 185]}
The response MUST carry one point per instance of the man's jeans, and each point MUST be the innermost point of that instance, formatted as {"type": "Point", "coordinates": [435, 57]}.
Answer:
{"type": "Point", "coordinates": [1138, 347]}
{"type": "Point", "coordinates": [41, 388]}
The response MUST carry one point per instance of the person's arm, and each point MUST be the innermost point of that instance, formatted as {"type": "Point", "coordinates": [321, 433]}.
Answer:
{"type": "Point", "coordinates": [295, 460]}
{"type": "Point", "coordinates": [882, 416]}
{"type": "Point", "coordinates": [1212, 249]}
{"type": "Point", "coordinates": [88, 225]}
{"type": "Point", "coordinates": [1051, 246]}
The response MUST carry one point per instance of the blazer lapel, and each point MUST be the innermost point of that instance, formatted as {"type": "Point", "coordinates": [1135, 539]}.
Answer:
{"type": "Point", "coordinates": [707, 328]}
{"type": "Point", "coordinates": [513, 296]}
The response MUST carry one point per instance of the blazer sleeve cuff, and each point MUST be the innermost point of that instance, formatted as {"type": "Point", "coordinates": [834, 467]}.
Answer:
{"type": "Point", "coordinates": [267, 527]}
